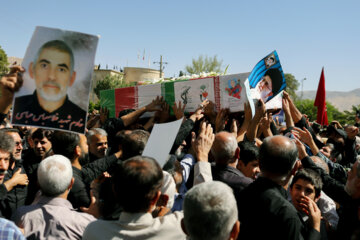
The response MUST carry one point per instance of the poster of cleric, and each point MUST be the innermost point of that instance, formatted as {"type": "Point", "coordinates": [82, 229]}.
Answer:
{"type": "Point", "coordinates": [267, 81]}
{"type": "Point", "coordinates": [58, 70]}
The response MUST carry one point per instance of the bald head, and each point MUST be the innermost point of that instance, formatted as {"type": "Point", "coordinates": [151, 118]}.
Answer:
{"type": "Point", "coordinates": [320, 163]}
{"type": "Point", "coordinates": [224, 148]}
{"type": "Point", "coordinates": [277, 155]}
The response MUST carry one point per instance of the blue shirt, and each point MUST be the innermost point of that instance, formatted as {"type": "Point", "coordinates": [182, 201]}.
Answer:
{"type": "Point", "coordinates": [187, 163]}
{"type": "Point", "coordinates": [8, 230]}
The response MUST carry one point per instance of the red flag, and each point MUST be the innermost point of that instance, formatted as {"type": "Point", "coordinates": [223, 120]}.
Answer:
{"type": "Point", "coordinates": [320, 101]}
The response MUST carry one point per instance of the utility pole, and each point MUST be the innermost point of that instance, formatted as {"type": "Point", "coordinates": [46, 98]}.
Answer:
{"type": "Point", "coordinates": [161, 64]}
{"type": "Point", "coordinates": [302, 87]}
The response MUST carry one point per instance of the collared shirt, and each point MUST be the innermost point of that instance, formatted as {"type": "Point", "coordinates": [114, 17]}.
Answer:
{"type": "Point", "coordinates": [137, 226]}
{"type": "Point", "coordinates": [68, 117]}
{"type": "Point", "coordinates": [52, 218]}
{"type": "Point", "coordinates": [8, 231]}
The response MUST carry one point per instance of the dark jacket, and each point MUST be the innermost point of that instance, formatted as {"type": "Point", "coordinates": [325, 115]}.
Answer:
{"type": "Point", "coordinates": [348, 211]}
{"type": "Point", "coordinates": [17, 196]}
{"type": "Point", "coordinates": [231, 176]}
{"type": "Point", "coordinates": [265, 213]}
{"type": "Point", "coordinates": [79, 195]}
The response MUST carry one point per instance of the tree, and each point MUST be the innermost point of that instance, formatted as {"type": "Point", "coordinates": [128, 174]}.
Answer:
{"type": "Point", "coordinates": [307, 107]}
{"type": "Point", "coordinates": [291, 85]}
{"type": "Point", "coordinates": [3, 62]}
{"type": "Point", "coordinates": [109, 82]}
{"type": "Point", "coordinates": [204, 64]}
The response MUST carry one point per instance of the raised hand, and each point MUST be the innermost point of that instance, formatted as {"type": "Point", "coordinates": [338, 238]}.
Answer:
{"type": "Point", "coordinates": [164, 114]}
{"type": "Point", "coordinates": [104, 114]}
{"type": "Point", "coordinates": [312, 210]}
{"type": "Point", "coordinates": [221, 119]}
{"type": "Point", "coordinates": [178, 110]}
{"type": "Point", "coordinates": [9, 84]}
{"type": "Point", "coordinates": [202, 144]}
{"type": "Point", "coordinates": [155, 105]}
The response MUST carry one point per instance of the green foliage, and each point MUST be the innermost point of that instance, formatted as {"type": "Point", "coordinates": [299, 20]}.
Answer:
{"type": "Point", "coordinates": [109, 82]}
{"type": "Point", "coordinates": [291, 85]}
{"type": "Point", "coordinates": [93, 106]}
{"type": "Point", "coordinates": [307, 107]}
{"type": "Point", "coordinates": [204, 64]}
{"type": "Point", "coordinates": [3, 62]}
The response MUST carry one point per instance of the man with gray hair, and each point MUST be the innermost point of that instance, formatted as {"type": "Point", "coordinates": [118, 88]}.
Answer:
{"type": "Point", "coordinates": [16, 181]}
{"type": "Point", "coordinates": [210, 212]}
{"type": "Point", "coordinates": [53, 215]}
{"type": "Point", "coordinates": [264, 211]}
{"type": "Point", "coordinates": [226, 155]}
{"type": "Point", "coordinates": [98, 143]}
{"type": "Point", "coordinates": [7, 145]}
{"type": "Point", "coordinates": [53, 72]}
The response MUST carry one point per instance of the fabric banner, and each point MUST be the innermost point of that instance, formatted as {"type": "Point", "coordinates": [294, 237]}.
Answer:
{"type": "Point", "coordinates": [266, 82]}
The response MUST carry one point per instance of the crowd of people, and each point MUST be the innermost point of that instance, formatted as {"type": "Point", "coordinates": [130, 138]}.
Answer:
{"type": "Point", "coordinates": [228, 176]}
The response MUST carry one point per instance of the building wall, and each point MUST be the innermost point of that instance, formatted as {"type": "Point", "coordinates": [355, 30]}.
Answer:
{"type": "Point", "coordinates": [133, 74]}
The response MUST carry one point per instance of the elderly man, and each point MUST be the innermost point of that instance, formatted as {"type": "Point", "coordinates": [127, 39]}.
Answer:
{"type": "Point", "coordinates": [210, 212]}
{"type": "Point", "coordinates": [53, 216]}
{"type": "Point", "coordinates": [226, 154]}
{"type": "Point", "coordinates": [264, 211]}
{"type": "Point", "coordinates": [6, 148]}
{"type": "Point", "coordinates": [98, 143]}
{"type": "Point", "coordinates": [53, 72]}
{"type": "Point", "coordinates": [16, 180]}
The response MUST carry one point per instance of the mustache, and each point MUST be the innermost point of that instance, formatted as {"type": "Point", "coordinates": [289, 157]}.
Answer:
{"type": "Point", "coordinates": [51, 83]}
{"type": "Point", "coordinates": [3, 171]}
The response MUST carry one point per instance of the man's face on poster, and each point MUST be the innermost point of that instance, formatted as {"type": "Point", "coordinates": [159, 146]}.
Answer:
{"type": "Point", "coordinates": [53, 74]}
{"type": "Point", "coordinates": [265, 88]}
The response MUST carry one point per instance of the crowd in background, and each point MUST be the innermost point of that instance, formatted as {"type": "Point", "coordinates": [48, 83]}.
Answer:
{"type": "Point", "coordinates": [228, 176]}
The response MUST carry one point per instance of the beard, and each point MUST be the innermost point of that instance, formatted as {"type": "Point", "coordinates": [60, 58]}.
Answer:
{"type": "Point", "coordinates": [84, 159]}
{"type": "Point", "coordinates": [50, 96]}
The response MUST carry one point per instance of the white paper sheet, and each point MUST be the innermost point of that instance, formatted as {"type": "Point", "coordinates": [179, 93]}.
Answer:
{"type": "Point", "coordinates": [161, 140]}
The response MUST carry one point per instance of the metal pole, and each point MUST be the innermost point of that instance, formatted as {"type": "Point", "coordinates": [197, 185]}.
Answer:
{"type": "Point", "coordinates": [161, 63]}
{"type": "Point", "coordinates": [302, 88]}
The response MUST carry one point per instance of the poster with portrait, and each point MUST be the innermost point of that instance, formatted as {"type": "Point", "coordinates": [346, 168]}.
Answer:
{"type": "Point", "coordinates": [267, 81]}
{"type": "Point", "coordinates": [59, 66]}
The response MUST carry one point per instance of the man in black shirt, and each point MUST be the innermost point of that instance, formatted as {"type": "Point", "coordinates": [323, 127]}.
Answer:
{"type": "Point", "coordinates": [226, 154]}
{"type": "Point", "coordinates": [74, 147]}
{"type": "Point", "coordinates": [53, 72]}
{"type": "Point", "coordinates": [264, 211]}
{"type": "Point", "coordinates": [16, 180]}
